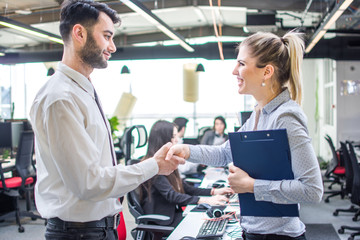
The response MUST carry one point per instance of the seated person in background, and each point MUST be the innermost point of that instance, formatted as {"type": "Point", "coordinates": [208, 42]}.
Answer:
{"type": "Point", "coordinates": [167, 194]}
{"type": "Point", "coordinates": [217, 135]}
{"type": "Point", "coordinates": [181, 127]}
{"type": "Point", "coordinates": [189, 169]}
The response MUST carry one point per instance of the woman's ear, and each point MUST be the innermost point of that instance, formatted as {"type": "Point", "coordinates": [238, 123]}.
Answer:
{"type": "Point", "coordinates": [269, 71]}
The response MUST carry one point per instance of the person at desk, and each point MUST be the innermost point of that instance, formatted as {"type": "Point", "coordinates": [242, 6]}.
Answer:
{"type": "Point", "coordinates": [78, 180]}
{"type": "Point", "coordinates": [167, 194]}
{"type": "Point", "coordinates": [268, 68]}
{"type": "Point", "coordinates": [216, 136]}
{"type": "Point", "coordinates": [190, 169]}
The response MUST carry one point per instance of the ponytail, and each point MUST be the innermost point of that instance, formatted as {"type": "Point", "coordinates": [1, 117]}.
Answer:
{"type": "Point", "coordinates": [295, 46]}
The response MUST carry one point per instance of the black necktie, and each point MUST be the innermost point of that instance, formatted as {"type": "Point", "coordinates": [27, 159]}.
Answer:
{"type": "Point", "coordinates": [109, 134]}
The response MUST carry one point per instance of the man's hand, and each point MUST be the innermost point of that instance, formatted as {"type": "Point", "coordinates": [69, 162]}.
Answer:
{"type": "Point", "coordinates": [240, 181]}
{"type": "Point", "coordinates": [180, 150]}
{"type": "Point", "coordinates": [167, 166]}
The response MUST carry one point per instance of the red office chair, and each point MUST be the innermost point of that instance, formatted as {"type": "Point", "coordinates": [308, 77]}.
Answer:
{"type": "Point", "coordinates": [121, 230]}
{"type": "Point", "coordinates": [15, 186]}
{"type": "Point", "coordinates": [335, 172]}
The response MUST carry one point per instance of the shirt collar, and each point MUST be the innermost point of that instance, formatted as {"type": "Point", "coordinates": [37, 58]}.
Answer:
{"type": "Point", "coordinates": [284, 96]}
{"type": "Point", "coordinates": [77, 77]}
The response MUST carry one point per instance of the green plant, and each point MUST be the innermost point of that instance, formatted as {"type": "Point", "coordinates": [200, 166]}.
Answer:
{"type": "Point", "coordinates": [323, 165]}
{"type": "Point", "coordinates": [114, 122]}
{"type": "Point", "coordinates": [12, 110]}
{"type": "Point", "coordinates": [6, 153]}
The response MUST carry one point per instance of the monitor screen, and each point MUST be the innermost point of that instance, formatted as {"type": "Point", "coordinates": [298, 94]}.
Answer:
{"type": "Point", "coordinates": [243, 116]}
{"type": "Point", "coordinates": [16, 129]}
{"type": "Point", "coordinates": [5, 136]}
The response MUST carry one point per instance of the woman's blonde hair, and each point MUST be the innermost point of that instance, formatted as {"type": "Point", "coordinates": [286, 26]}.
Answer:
{"type": "Point", "coordinates": [284, 53]}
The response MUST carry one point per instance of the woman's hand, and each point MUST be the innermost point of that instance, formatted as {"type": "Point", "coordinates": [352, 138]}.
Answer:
{"type": "Point", "coordinates": [214, 200]}
{"type": "Point", "coordinates": [240, 181]}
{"type": "Point", "coordinates": [223, 191]}
{"type": "Point", "coordinates": [181, 150]}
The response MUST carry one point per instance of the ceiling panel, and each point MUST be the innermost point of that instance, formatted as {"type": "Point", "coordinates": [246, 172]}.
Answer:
{"type": "Point", "coordinates": [188, 18]}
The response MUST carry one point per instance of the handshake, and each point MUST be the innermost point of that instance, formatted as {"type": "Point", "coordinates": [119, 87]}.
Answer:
{"type": "Point", "coordinates": [169, 156]}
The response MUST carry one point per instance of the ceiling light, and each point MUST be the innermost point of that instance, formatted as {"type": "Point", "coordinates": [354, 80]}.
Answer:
{"type": "Point", "coordinates": [7, 22]}
{"type": "Point", "coordinates": [328, 22]}
{"type": "Point", "coordinates": [138, 7]}
{"type": "Point", "coordinates": [2, 54]}
{"type": "Point", "coordinates": [23, 12]}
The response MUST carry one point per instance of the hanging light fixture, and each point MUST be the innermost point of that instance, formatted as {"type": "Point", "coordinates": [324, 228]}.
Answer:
{"type": "Point", "coordinates": [50, 72]}
{"type": "Point", "coordinates": [125, 70]}
{"type": "Point", "coordinates": [200, 68]}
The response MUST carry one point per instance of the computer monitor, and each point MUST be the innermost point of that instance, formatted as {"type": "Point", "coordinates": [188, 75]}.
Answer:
{"type": "Point", "coordinates": [16, 129]}
{"type": "Point", "coordinates": [243, 116]}
{"type": "Point", "coordinates": [5, 136]}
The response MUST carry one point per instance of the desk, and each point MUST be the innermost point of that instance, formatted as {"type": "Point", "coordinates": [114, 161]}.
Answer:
{"type": "Point", "coordinates": [7, 166]}
{"type": "Point", "coordinates": [192, 221]}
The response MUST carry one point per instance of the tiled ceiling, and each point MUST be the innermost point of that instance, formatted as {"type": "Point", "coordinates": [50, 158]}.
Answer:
{"type": "Point", "coordinates": [191, 19]}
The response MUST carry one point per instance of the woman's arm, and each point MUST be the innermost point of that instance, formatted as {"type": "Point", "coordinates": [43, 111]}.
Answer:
{"type": "Point", "coordinates": [165, 189]}
{"type": "Point", "coordinates": [307, 183]}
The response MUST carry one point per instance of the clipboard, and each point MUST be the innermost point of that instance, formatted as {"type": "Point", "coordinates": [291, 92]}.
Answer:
{"type": "Point", "coordinates": [263, 155]}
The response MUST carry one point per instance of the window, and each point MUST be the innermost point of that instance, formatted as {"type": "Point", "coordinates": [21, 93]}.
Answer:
{"type": "Point", "coordinates": [5, 92]}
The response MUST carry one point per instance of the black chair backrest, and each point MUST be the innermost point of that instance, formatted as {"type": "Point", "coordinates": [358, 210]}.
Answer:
{"type": "Point", "coordinates": [202, 132]}
{"type": "Point", "coordinates": [355, 192]}
{"type": "Point", "coordinates": [349, 175]}
{"type": "Point", "coordinates": [129, 140]}
{"type": "Point", "coordinates": [133, 197]}
{"type": "Point", "coordinates": [334, 160]}
{"type": "Point", "coordinates": [23, 164]}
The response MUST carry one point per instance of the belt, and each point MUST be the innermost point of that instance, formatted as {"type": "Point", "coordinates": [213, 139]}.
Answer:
{"type": "Point", "coordinates": [106, 222]}
{"type": "Point", "coordinates": [267, 236]}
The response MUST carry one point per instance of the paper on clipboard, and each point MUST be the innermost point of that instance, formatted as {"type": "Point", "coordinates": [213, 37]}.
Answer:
{"type": "Point", "coordinates": [263, 155]}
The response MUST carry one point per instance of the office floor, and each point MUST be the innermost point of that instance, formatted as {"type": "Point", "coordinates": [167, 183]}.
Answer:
{"type": "Point", "coordinates": [310, 213]}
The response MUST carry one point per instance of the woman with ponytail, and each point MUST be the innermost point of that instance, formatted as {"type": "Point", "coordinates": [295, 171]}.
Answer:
{"type": "Point", "coordinates": [268, 68]}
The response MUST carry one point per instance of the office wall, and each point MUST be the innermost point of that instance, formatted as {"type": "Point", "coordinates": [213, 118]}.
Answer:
{"type": "Point", "coordinates": [348, 110]}
{"type": "Point", "coordinates": [310, 74]}
{"type": "Point", "coordinates": [319, 74]}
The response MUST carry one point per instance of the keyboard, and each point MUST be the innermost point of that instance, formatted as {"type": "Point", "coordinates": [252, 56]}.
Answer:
{"type": "Point", "coordinates": [212, 228]}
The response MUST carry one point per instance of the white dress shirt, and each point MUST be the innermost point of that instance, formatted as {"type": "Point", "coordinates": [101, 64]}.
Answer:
{"type": "Point", "coordinates": [76, 179]}
{"type": "Point", "coordinates": [281, 112]}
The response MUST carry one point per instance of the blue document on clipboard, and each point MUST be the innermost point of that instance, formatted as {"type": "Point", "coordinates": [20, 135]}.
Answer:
{"type": "Point", "coordinates": [263, 155]}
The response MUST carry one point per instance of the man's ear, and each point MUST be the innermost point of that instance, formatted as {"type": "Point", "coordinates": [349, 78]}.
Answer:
{"type": "Point", "coordinates": [79, 34]}
{"type": "Point", "coordinates": [269, 71]}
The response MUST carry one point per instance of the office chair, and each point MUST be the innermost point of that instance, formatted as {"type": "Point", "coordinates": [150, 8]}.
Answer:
{"type": "Point", "coordinates": [335, 173]}
{"type": "Point", "coordinates": [121, 229]}
{"type": "Point", "coordinates": [129, 140]}
{"type": "Point", "coordinates": [202, 132]}
{"type": "Point", "coordinates": [144, 230]}
{"type": "Point", "coordinates": [355, 192]}
{"type": "Point", "coordinates": [15, 186]}
{"type": "Point", "coordinates": [349, 177]}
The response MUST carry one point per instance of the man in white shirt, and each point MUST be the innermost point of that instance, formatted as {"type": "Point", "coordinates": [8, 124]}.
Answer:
{"type": "Point", "coordinates": [78, 181]}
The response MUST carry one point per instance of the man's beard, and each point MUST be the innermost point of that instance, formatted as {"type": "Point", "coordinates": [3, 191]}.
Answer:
{"type": "Point", "coordinates": [92, 54]}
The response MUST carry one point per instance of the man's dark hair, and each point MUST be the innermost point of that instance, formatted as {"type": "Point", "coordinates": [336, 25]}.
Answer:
{"type": "Point", "coordinates": [180, 122]}
{"type": "Point", "coordinates": [84, 12]}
